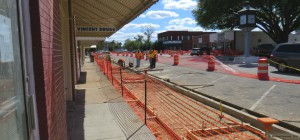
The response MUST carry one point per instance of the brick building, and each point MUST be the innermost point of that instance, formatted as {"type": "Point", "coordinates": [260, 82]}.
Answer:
{"type": "Point", "coordinates": [178, 40]}
{"type": "Point", "coordinates": [41, 44]}
{"type": "Point", "coordinates": [201, 41]}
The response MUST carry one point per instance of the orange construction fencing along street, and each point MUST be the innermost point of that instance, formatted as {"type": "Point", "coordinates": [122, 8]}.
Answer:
{"type": "Point", "coordinates": [171, 115]}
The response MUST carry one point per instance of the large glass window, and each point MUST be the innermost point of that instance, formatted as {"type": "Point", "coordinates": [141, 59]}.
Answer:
{"type": "Point", "coordinates": [13, 124]}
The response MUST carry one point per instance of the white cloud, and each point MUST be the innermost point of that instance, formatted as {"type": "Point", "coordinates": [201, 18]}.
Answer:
{"type": "Point", "coordinates": [142, 16]}
{"type": "Point", "coordinates": [140, 26]}
{"type": "Point", "coordinates": [180, 4]}
{"type": "Point", "coordinates": [185, 28]}
{"type": "Point", "coordinates": [182, 27]}
{"type": "Point", "coordinates": [183, 21]}
{"type": "Point", "coordinates": [159, 14]}
{"type": "Point", "coordinates": [122, 36]}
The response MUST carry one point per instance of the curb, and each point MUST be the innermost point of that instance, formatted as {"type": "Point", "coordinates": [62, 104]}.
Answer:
{"type": "Point", "coordinates": [277, 131]}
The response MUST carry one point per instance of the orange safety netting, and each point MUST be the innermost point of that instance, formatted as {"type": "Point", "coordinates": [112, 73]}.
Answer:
{"type": "Point", "coordinates": [171, 115]}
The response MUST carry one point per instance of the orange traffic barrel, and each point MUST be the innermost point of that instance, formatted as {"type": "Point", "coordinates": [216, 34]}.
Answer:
{"type": "Point", "coordinates": [176, 59]}
{"type": "Point", "coordinates": [210, 64]}
{"type": "Point", "coordinates": [262, 69]}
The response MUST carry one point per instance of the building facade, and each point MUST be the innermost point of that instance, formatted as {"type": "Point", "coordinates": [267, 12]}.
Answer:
{"type": "Point", "coordinates": [201, 41]}
{"type": "Point", "coordinates": [177, 40]}
{"type": "Point", "coordinates": [233, 42]}
{"type": "Point", "coordinates": [41, 44]}
{"type": "Point", "coordinates": [294, 37]}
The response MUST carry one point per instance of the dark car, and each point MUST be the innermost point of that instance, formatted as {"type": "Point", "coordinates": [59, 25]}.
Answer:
{"type": "Point", "coordinates": [264, 50]}
{"type": "Point", "coordinates": [286, 56]}
{"type": "Point", "coordinates": [204, 49]}
{"type": "Point", "coordinates": [195, 51]}
{"type": "Point", "coordinates": [199, 51]}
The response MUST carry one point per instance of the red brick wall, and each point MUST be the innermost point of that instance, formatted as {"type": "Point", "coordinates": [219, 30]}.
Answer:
{"type": "Point", "coordinates": [48, 69]}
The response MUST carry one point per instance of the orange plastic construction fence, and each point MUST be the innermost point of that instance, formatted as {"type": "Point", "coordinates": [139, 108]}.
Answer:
{"type": "Point", "coordinates": [171, 115]}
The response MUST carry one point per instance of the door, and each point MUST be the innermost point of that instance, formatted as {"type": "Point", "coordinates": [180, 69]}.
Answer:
{"type": "Point", "coordinates": [13, 112]}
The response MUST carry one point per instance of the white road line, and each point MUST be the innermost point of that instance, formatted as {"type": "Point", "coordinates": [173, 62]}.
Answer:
{"type": "Point", "coordinates": [261, 98]}
{"type": "Point", "coordinates": [217, 80]}
{"type": "Point", "coordinates": [226, 67]}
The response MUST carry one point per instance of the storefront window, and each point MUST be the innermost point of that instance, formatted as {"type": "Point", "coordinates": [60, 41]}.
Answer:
{"type": "Point", "coordinates": [13, 124]}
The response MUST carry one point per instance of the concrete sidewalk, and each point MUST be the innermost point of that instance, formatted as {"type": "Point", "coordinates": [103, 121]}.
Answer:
{"type": "Point", "coordinates": [100, 112]}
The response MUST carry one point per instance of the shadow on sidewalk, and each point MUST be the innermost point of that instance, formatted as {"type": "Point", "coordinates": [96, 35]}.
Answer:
{"type": "Point", "coordinates": [76, 114]}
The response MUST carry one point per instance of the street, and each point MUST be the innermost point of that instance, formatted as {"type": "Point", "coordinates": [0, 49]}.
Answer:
{"type": "Point", "coordinates": [279, 100]}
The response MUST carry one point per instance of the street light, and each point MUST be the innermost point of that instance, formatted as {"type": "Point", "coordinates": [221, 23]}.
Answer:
{"type": "Point", "coordinates": [247, 23]}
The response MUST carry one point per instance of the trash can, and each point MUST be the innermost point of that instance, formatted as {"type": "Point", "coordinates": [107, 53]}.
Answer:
{"type": "Point", "coordinates": [92, 58]}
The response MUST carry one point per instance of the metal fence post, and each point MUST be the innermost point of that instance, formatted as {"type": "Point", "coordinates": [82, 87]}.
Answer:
{"type": "Point", "coordinates": [145, 97]}
{"type": "Point", "coordinates": [107, 68]}
{"type": "Point", "coordinates": [112, 80]}
{"type": "Point", "coordinates": [121, 81]}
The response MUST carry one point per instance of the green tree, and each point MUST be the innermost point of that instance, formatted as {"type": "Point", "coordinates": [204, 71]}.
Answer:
{"type": "Point", "coordinates": [113, 45]}
{"type": "Point", "coordinates": [140, 42]}
{"type": "Point", "coordinates": [131, 44]}
{"type": "Point", "coordinates": [277, 18]}
{"type": "Point", "coordinates": [148, 31]}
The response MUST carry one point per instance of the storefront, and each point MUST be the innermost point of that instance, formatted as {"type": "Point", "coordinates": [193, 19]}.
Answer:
{"type": "Point", "coordinates": [178, 40]}
{"type": "Point", "coordinates": [41, 44]}
{"type": "Point", "coordinates": [17, 107]}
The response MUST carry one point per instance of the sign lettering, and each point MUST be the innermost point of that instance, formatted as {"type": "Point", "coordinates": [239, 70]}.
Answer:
{"type": "Point", "coordinates": [96, 29]}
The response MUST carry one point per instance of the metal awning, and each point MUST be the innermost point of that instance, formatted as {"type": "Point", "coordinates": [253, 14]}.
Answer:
{"type": "Point", "coordinates": [102, 18]}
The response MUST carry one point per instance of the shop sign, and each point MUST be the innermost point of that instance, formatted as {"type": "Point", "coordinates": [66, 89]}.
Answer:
{"type": "Point", "coordinates": [96, 29]}
{"type": "Point", "coordinates": [172, 42]}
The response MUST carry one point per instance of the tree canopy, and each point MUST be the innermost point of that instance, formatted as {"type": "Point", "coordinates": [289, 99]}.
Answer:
{"type": "Point", "coordinates": [148, 31]}
{"type": "Point", "coordinates": [113, 45]}
{"type": "Point", "coordinates": [131, 44]}
{"type": "Point", "coordinates": [277, 18]}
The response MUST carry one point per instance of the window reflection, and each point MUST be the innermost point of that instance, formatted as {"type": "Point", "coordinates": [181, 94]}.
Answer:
{"type": "Point", "coordinates": [12, 107]}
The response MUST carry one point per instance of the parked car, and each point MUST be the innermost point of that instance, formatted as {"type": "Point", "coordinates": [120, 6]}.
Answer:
{"type": "Point", "coordinates": [264, 50]}
{"type": "Point", "coordinates": [286, 56]}
{"type": "Point", "coordinates": [199, 51]}
{"type": "Point", "coordinates": [204, 49]}
{"type": "Point", "coordinates": [195, 51]}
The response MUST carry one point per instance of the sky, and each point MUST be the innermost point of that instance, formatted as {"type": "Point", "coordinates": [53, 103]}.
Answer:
{"type": "Point", "coordinates": [165, 15]}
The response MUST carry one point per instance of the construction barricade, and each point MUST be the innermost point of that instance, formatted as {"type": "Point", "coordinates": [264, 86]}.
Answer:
{"type": "Point", "coordinates": [172, 115]}
{"type": "Point", "coordinates": [210, 63]}
{"type": "Point", "coordinates": [262, 69]}
{"type": "Point", "coordinates": [176, 59]}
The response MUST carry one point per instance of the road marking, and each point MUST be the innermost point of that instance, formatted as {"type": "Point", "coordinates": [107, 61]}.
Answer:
{"type": "Point", "coordinates": [217, 80]}
{"type": "Point", "coordinates": [226, 67]}
{"type": "Point", "coordinates": [262, 97]}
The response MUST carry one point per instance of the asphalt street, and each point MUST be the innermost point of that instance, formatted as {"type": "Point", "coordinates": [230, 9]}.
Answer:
{"type": "Point", "coordinates": [278, 100]}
